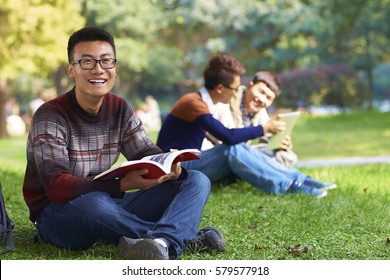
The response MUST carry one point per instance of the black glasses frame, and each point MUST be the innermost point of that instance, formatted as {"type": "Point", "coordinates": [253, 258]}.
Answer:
{"type": "Point", "coordinates": [89, 60]}
{"type": "Point", "coordinates": [237, 89]}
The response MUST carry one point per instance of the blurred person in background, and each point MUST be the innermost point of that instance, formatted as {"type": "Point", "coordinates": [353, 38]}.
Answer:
{"type": "Point", "coordinates": [191, 119]}
{"type": "Point", "coordinates": [249, 108]}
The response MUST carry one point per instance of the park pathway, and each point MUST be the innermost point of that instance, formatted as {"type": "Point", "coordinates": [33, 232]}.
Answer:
{"type": "Point", "coordinates": [343, 161]}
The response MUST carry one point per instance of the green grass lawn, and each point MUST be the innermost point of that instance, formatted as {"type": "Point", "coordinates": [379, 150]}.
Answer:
{"type": "Point", "coordinates": [353, 222]}
{"type": "Point", "coordinates": [357, 134]}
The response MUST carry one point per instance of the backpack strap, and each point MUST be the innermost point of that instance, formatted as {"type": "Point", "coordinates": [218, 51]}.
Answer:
{"type": "Point", "coordinates": [6, 226]}
{"type": "Point", "coordinates": [10, 243]}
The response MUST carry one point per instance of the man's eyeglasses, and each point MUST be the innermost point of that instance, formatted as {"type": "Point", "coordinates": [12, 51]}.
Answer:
{"type": "Point", "coordinates": [238, 89]}
{"type": "Point", "coordinates": [89, 64]}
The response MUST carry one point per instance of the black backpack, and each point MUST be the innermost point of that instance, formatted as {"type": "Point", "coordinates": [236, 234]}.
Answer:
{"type": "Point", "coordinates": [6, 226]}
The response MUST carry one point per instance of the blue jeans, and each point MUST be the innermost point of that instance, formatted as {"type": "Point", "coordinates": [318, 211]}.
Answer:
{"type": "Point", "coordinates": [170, 210]}
{"type": "Point", "coordinates": [247, 163]}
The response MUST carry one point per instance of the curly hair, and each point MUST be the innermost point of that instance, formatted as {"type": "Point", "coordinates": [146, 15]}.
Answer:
{"type": "Point", "coordinates": [221, 69]}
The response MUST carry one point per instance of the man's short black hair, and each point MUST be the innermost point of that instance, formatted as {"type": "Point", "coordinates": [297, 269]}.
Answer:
{"type": "Point", "coordinates": [88, 34]}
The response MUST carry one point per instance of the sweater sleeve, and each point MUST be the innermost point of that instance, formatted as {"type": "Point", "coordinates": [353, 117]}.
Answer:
{"type": "Point", "coordinates": [229, 136]}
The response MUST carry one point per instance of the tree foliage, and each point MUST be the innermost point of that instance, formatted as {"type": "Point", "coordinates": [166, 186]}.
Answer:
{"type": "Point", "coordinates": [34, 34]}
{"type": "Point", "coordinates": [163, 45]}
{"type": "Point", "coordinates": [337, 85]}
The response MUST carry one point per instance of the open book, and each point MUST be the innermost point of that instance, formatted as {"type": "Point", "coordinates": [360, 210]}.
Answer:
{"type": "Point", "coordinates": [276, 139]}
{"type": "Point", "coordinates": [158, 165]}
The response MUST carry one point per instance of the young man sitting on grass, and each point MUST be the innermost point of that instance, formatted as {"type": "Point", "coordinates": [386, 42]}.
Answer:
{"type": "Point", "coordinates": [192, 116]}
{"type": "Point", "coordinates": [80, 134]}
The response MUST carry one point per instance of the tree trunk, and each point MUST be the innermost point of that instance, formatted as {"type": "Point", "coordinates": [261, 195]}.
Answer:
{"type": "Point", "coordinates": [4, 94]}
{"type": "Point", "coordinates": [369, 69]}
{"type": "Point", "coordinates": [370, 78]}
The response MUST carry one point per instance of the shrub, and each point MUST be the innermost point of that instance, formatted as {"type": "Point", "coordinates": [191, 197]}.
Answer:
{"type": "Point", "coordinates": [337, 85]}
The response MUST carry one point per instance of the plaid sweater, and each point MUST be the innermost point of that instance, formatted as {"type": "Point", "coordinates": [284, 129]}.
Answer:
{"type": "Point", "coordinates": [67, 147]}
{"type": "Point", "coordinates": [190, 118]}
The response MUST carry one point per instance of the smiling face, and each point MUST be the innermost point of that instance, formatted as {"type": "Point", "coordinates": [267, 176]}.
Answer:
{"type": "Point", "coordinates": [258, 96]}
{"type": "Point", "coordinates": [92, 85]}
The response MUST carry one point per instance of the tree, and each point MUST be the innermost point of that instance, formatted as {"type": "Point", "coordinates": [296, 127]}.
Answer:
{"type": "Point", "coordinates": [34, 36]}
{"type": "Point", "coordinates": [261, 34]}
{"type": "Point", "coordinates": [336, 85]}
{"type": "Point", "coordinates": [354, 32]}
{"type": "Point", "coordinates": [369, 40]}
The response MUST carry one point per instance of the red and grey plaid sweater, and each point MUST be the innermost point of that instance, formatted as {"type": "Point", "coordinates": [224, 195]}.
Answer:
{"type": "Point", "coordinates": [67, 147]}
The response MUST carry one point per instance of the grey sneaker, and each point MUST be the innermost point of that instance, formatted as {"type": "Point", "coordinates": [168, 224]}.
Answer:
{"type": "Point", "coordinates": [308, 190]}
{"type": "Point", "coordinates": [319, 185]}
{"type": "Point", "coordinates": [207, 239]}
{"type": "Point", "coordinates": [141, 249]}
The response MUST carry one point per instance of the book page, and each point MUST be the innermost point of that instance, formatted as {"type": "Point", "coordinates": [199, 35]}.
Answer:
{"type": "Point", "coordinates": [167, 159]}
{"type": "Point", "coordinates": [276, 139]}
{"type": "Point", "coordinates": [158, 165]}
{"type": "Point", "coordinates": [163, 159]}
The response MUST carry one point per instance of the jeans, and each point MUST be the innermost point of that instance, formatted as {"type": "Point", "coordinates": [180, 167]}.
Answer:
{"type": "Point", "coordinates": [247, 163]}
{"type": "Point", "coordinates": [171, 210]}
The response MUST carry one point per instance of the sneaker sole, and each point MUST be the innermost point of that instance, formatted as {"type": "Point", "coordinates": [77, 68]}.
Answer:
{"type": "Point", "coordinates": [145, 249]}
{"type": "Point", "coordinates": [324, 194]}
{"type": "Point", "coordinates": [330, 187]}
